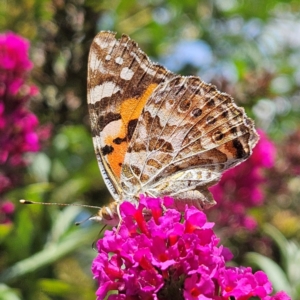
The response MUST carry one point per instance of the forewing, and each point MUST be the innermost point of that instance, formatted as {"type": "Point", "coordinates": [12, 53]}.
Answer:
{"type": "Point", "coordinates": [121, 79]}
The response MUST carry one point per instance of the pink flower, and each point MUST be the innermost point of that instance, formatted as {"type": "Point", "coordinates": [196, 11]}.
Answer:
{"type": "Point", "coordinates": [241, 282]}
{"type": "Point", "coordinates": [18, 126]}
{"type": "Point", "coordinates": [14, 54]}
{"type": "Point", "coordinates": [157, 254]}
{"type": "Point", "coordinates": [6, 210]}
{"type": "Point", "coordinates": [279, 296]}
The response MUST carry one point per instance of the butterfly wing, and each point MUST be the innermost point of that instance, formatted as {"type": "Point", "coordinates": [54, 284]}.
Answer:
{"type": "Point", "coordinates": [121, 79]}
{"type": "Point", "coordinates": [187, 135]}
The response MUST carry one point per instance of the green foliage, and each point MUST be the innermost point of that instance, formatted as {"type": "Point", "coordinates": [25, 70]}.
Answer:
{"type": "Point", "coordinates": [7, 293]}
{"type": "Point", "coordinates": [287, 275]}
{"type": "Point", "coordinates": [24, 17]}
{"type": "Point", "coordinates": [47, 235]}
{"type": "Point", "coordinates": [36, 252]}
{"type": "Point", "coordinates": [62, 239]}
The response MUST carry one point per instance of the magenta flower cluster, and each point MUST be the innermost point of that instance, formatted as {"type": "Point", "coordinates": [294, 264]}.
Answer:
{"type": "Point", "coordinates": [240, 188]}
{"type": "Point", "coordinates": [157, 254]}
{"type": "Point", "coordinates": [18, 126]}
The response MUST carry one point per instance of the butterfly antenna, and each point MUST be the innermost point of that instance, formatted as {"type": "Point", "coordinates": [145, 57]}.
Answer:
{"type": "Point", "coordinates": [83, 221]}
{"type": "Point", "coordinates": [58, 204]}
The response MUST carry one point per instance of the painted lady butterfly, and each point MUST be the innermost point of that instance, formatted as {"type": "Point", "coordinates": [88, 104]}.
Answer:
{"type": "Point", "coordinates": [158, 133]}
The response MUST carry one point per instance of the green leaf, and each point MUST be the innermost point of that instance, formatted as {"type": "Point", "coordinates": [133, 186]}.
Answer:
{"type": "Point", "coordinates": [280, 240]}
{"type": "Point", "coordinates": [5, 229]}
{"type": "Point", "coordinates": [6, 293]}
{"type": "Point", "coordinates": [63, 222]}
{"type": "Point", "coordinates": [51, 253]}
{"type": "Point", "coordinates": [60, 288]}
{"type": "Point", "coordinates": [40, 166]}
{"type": "Point", "coordinates": [69, 190]}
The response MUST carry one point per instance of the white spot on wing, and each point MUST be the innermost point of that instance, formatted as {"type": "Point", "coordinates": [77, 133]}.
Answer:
{"type": "Point", "coordinates": [126, 73]}
{"type": "Point", "coordinates": [107, 57]}
{"type": "Point", "coordinates": [96, 64]}
{"type": "Point", "coordinates": [119, 60]}
{"type": "Point", "coordinates": [111, 129]}
{"type": "Point", "coordinates": [105, 44]}
{"type": "Point", "coordinates": [106, 89]}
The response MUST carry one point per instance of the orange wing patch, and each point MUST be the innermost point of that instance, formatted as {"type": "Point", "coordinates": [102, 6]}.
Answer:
{"type": "Point", "coordinates": [118, 133]}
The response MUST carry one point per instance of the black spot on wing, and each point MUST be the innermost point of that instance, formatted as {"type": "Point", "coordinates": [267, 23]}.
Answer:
{"type": "Point", "coordinates": [107, 149]}
{"type": "Point", "coordinates": [130, 130]}
{"type": "Point", "coordinates": [211, 103]}
{"type": "Point", "coordinates": [197, 112]}
{"type": "Point", "coordinates": [241, 153]}
{"type": "Point", "coordinates": [218, 136]}
{"type": "Point", "coordinates": [131, 127]}
{"type": "Point", "coordinates": [210, 120]}
{"type": "Point", "coordinates": [118, 140]}
{"type": "Point", "coordinates": [225, 114]}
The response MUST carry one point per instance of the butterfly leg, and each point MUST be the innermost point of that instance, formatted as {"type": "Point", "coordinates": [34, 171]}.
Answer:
{"type": "Point", "coordinates": [120, 218]}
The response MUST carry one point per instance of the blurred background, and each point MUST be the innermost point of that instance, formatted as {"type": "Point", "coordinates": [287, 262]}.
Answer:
{"type": "Point", "coordinates": [249, 49]}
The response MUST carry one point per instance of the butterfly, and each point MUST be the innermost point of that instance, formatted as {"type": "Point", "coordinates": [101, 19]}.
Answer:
{"type": "Point", "coordinates": [158, 133]}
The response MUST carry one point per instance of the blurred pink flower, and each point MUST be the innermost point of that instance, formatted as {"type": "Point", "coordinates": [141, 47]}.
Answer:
{"type": "Point", "coordinates": [18, 126]}
{"type": "Point", "coordinates": [7, 208]}
{"type": "Point", "coordinates": [14, 55]}
{"type": "Point", "coordinates": [241, 187]}
{"type": "Point", "coordinates": [291, 149]}
{"type": "Point", "coordinates": [158, 254]}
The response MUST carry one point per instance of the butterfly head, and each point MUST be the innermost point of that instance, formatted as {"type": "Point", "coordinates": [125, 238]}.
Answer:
{"type": "Point", "coordinates": [108, 215]}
